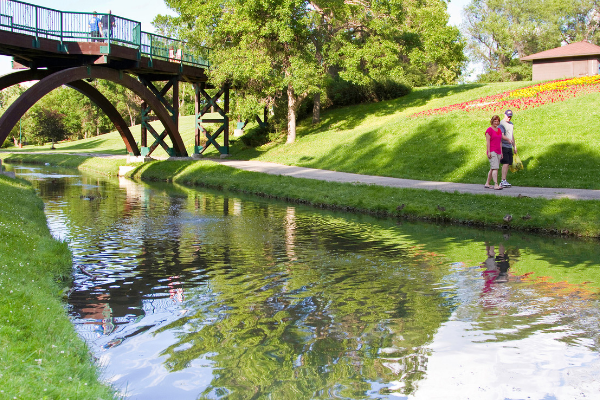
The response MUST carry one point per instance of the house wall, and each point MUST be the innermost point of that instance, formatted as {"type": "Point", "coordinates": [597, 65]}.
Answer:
{"type": "Point", "coordinates": [565, 68]}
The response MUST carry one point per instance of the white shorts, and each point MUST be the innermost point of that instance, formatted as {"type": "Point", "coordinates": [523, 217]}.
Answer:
{"type": "Point", "coordinates": [494, 160]}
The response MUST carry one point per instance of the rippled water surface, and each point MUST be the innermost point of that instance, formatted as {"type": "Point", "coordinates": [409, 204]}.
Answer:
{"type": "Point", "coordinates": [191, 294]}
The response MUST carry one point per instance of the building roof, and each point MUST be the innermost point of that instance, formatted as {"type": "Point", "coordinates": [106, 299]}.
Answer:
{"type": "Point", "coordinates": [570, 50]}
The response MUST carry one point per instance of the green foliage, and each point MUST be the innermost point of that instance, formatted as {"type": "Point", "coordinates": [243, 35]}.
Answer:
{"type": "Point", "coordinates": [499, 32]}
{"type": "Point", "coordinates": [288, 48]}
{"type": "Point", "coordinates": [343, 93]}
{"type": "Point", "coordinates": [259, 135]}
{"type": "Point", "coordinates": [7, 143]}
{"type": "Point", "coordinates": [515, 71]}
{"type": "Point", "coordinates": [48, 126]}
{"type": "Point", "coordinates": [439, 58]}
{"type": "Point", "coordinates": [7, 97]}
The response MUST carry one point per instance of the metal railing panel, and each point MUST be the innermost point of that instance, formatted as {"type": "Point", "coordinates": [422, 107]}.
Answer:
{"type": "Point", "coordinates": [42, 22]}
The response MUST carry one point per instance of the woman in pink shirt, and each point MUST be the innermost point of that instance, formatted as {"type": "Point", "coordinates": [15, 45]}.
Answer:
{"type": "Point", "coordinates": [493, 138]}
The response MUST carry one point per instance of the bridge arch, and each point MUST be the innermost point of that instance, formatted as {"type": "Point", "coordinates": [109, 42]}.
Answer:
{"type": "Point", "coordinates": [70, 75]}
{"type": "Point", "coordinates": [84, 88]}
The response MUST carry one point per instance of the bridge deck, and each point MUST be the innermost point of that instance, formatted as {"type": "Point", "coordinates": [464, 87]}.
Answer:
{"type": "Point", "coordinates": [46, 53]}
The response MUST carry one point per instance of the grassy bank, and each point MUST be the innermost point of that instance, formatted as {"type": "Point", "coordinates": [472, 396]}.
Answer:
{"type": "Point", "coordinates": [557, 142]}
{"type": "Point", "coordinates": [41, 356]}
{"type": "Point", "coordinates": [104, 166]}
{"type": "Point", "coordinates": [564, 216]}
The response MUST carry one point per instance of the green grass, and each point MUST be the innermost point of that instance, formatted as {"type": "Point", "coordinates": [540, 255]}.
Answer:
{"type": "Point", "coordinates": [562, 216]}
{"type": "Point", "coordinates": [557, 143]}
{"type": "Point", "coordinates": [41, 356]}
{"type": "Point", "coordinates": [104, 166]}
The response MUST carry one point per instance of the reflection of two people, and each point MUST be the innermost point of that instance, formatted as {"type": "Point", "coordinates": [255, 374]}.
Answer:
{"type": "Point", "coordinates": [496, 266]}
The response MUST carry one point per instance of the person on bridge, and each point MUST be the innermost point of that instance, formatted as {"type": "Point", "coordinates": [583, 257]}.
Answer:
{"type": "Point", "coordinates": [95, 27]}
{"type": "Point", "coordinates": [108, 22]}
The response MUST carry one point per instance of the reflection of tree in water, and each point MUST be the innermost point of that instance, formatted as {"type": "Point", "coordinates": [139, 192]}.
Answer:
{"type": "Point", "coordinates": [309, 326]}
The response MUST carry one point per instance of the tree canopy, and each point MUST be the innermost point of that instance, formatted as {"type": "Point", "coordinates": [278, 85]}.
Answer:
{"type": "Point", "coordinates": [291, 48]}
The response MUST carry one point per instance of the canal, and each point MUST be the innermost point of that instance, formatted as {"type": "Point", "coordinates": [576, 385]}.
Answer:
{"type": "Point", "coordinates": [186, 293]}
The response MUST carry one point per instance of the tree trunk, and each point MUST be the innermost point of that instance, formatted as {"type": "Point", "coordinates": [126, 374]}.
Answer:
{"type": "Point", "coordinates": [292, 105]}
{"type": "Point", "coordinates": [316, 109]}
{"type": "Point", "coordinates": [131, 116]}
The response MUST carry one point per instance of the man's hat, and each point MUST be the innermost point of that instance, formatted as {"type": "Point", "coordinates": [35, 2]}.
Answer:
{"type": "Point", "coordinates": [508, 113]}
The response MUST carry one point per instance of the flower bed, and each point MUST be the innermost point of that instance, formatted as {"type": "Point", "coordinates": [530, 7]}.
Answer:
{"type": "Point", "coordinates": [528, 97]}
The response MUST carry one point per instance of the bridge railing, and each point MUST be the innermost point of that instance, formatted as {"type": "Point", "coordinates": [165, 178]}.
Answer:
{"type": "Point", "coordinates": [173, 50]}
{"type": "Point", "coordinates": [42, 22]}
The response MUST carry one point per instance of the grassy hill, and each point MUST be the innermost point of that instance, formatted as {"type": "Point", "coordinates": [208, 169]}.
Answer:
{"type": "Point", "coordinates": [557, 142]}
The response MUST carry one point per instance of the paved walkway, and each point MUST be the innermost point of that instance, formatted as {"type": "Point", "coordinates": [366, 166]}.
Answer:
{"type": "Point", "coordinates": [333, 176]}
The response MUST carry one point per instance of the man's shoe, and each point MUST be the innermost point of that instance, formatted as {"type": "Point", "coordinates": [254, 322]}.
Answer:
{"type": "Point", "coordinates": [505, 184]}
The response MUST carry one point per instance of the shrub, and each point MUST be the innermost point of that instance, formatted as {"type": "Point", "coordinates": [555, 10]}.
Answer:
{"type": "Point", "coordinates": [7, 143]}
{"type": "Point", "coordinates": [344, 93]}
{"type": "Point", "coordinates": [259, 135]}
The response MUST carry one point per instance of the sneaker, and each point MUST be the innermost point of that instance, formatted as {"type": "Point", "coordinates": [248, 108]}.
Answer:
{"type": "Point", "coordinates": [505, 183]}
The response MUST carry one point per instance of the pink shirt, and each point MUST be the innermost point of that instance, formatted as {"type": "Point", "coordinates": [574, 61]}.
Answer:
{"type": "Point", "coordinates": [495, 139]}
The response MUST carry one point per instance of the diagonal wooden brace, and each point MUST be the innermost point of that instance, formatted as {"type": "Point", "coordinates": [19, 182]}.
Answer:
{"type": "Point", "coordinates": [224, 120]}
{"type": "Point", "coordinates": [160, 140]}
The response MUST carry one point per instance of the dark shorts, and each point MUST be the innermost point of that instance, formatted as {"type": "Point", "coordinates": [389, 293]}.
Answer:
{"type": "Point", "coordinates": [507, 156]}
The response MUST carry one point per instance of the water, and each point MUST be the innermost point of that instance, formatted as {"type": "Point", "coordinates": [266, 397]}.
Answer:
{"type": "Point", "coordinates": [189, 294]}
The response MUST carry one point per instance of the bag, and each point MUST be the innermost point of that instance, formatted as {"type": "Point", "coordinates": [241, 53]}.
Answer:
{"type": "Point", "coordinates": [517, 164]}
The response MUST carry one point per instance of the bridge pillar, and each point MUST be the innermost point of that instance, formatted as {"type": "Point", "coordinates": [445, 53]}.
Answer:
{"type": "Point", "coordinates": [173, 109]}
{"type": "Point", "coordinates": [213, 106]}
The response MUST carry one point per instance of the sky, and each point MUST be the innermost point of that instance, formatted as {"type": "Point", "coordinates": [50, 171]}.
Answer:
{"type": "Point", "coordinates": [145, 11]}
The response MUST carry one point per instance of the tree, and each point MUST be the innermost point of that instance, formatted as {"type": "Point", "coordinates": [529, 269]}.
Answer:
{"type": "Point", "coordinates": [500, 32]}
{"type": "Point", "coordinates": [262, 49]}
{"type": "Point", "coordinates": [576, 21]}
{"type": "Point", "coordinates": [48, 125]}
{"type": "Point", "coordinates": [7, 97]}
{"type": "Point", "coordinates": [290, 49]}
{"type": "Point", "coordinates": [439, 58]}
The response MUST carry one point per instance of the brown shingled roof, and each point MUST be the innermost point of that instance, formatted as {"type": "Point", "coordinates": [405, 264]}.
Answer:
{"type": "Point", "coordinates": [570, 50]}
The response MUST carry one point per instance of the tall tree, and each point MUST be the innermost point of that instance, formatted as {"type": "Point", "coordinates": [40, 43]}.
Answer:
{"type": "Point", "coordinates": [288, 48]}
{"type": "Point", "coordinates": [261, 48]}
{"type": "Point", "coordinates": [49, 126]}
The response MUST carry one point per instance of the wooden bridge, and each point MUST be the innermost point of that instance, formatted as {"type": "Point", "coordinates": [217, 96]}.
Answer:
{"type": "Point", "coordinates": [58, 48]}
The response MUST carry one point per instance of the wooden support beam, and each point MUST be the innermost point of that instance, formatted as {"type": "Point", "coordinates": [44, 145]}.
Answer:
{"type": "Point", "coordinates": [211, 104]}
{"type": "Point", "coordinates": [144, 114]}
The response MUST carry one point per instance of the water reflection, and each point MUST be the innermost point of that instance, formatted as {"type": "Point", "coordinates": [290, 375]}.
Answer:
{"type": "Point", "coordinates": [196, 294]}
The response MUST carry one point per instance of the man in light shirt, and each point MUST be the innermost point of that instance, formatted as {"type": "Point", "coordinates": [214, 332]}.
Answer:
{"type": "Point", "coordinates": [508, 144]}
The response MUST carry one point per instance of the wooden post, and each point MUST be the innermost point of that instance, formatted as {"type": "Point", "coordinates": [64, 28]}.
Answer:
{"type": "Point", "coordinates": [144, 136]}
{"type": "Point", "coordinates": [176, 101]}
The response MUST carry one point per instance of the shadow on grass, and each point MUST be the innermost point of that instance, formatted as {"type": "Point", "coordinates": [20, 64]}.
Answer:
{"type": "Point", "coordinates": [98, 145]}
{"type": "Point", "coordinates": [407, 157]}
{"type": "Point", "coordinates": [350, 117]}
{"type": "Point", "coordinates": [570, 165]}
{"type": "Point", "coordinates": [94, 145]}
{"type": "Point", "coordinates": [161, 170]}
